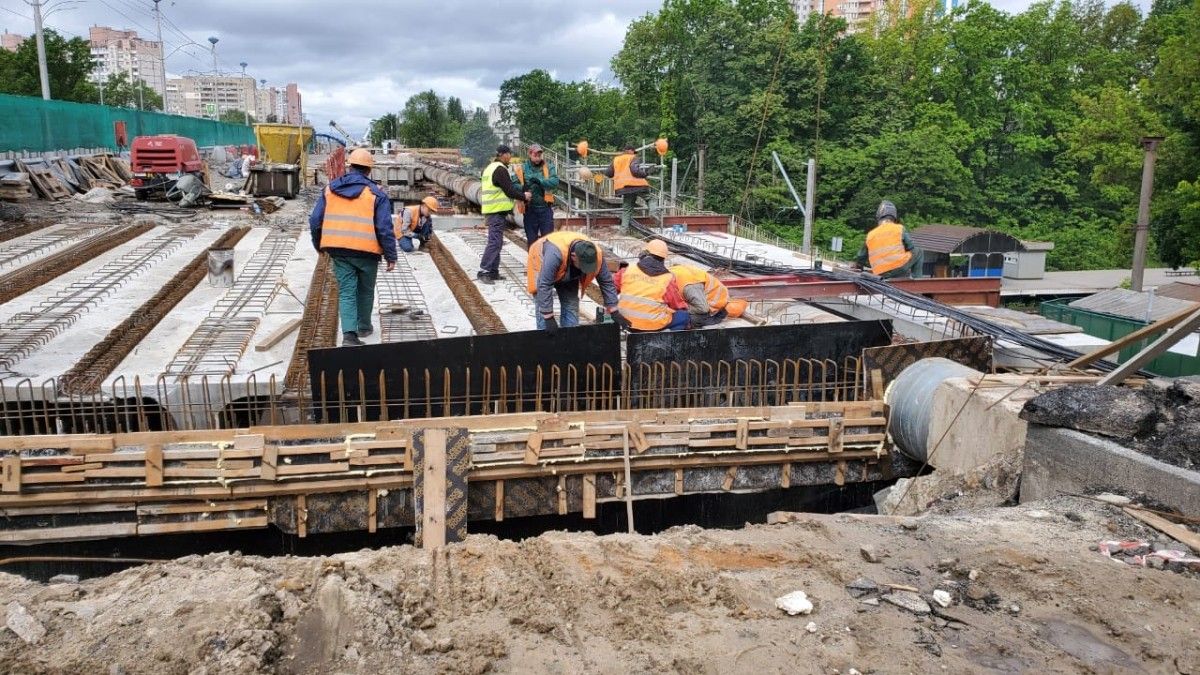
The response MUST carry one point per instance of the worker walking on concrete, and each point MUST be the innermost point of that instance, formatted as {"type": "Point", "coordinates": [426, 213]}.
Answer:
{"type": "Point", "coordinates": [352, 222]}
{"type": "Point", "coordinates": [537, 178]}
{"type": "Point", "coordinates": [564, 263]}
{"type": "Point", "coordinates": [629, 180]}
{"type": "Point", "coordinates": [889, 250]}
{"type": "Point", "coordinates": [650, 299]}
{"type": "Point", "coordinates": [414, 225]}
{"type": "Point", "coordinates": [498, 195]}
{"type": "Point", "coordinates": [705, 295]}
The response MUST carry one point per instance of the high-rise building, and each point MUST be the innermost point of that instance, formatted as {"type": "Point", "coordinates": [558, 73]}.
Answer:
{"type": "Point", "coordinates": [211, 95]}
{"type": "Point", "coordinates": [507, 133]}
{"type": "Point", "coordinates": [858, 13]}
{"type": "Point", "coordinates": [10, 41]}
{"type": "Point", "coordinates": [266, 108]}
{"type": "Point", "coordinates": [122, 51]}
{"type": "Point", "coordinates": [295, 112]}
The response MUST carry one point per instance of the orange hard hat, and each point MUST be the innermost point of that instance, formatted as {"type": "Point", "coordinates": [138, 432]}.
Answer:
{"type": "Point", "coordinates": [582, 148]}
{"type": "Point", "coordinates": [657, 247]}
{"type": "Point", "coordinates": [431, 202]}
{"type": "Point", "coordinates": [361, 157]}
{"type": "Point", "coordinates": [736, 307]}
{"type": "Point", "coordinates": [660, 146]}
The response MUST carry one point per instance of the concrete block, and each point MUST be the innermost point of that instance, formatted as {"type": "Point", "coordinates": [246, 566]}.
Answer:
{"type": "Point", "coordinates": [987, 429]}
{"type": "Point", "coordinates": [1059, 461]}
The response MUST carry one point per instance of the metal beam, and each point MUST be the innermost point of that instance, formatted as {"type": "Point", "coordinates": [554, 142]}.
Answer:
{"type": "Point", "coordinates": [956, 290]}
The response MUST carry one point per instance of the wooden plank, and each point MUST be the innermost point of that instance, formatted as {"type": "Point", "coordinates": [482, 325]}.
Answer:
{"type": "Point", "coordinates": [205, 507]}
{"type": "Point", "coordinates": [154, 465]}
{"type": "Point", "coordinates": [78, 443]}
{"type": "Point", "coordinates": [433, 474]}
{"type": "Point", "coordinates": [301, 516]}
{"type": "Point", "coordinates": [73, 509]}
{"type": "Point", "coordinates": [785, 476]}
{"type": "Point", "coordinates": [562, 495]}
{"type": "Point", "coordinates": [877, 383]}
{"type": "Point", "coordinates": [499, 508]}
{"type": "Point", "coordinates": [742, 433]}
{"type": "Point", "coordinates": [1143, 332]}
{"type": "Point", "coordinates": [10, 474]}
{"type": "Point", "coordinates": [251, 522]}
{"type": "Point", "coordinates": [678, 481]}
{"type": "Point", "coordinates": [589, 495]}
{"type": "Point", "coordinates": [52, 477]}
{"type": "Point", "coordinates": [1173, 530]}
{"type": "Point", "coordinates": [730, 476]}
{"type": "Point", "coordinates": [638, 436]}
{"type": "Point", "coordinates": [1182, 330]}
{"type": "Point", "coordinates": [839, 476]}
{"type": "Point", "coordinates": [303, 469]}
{"type": "Point", "coordinates": [835, 435]}
{"type": "Point", "coordinates": [372, 510]}
{"type": "Point", "coordinates": [269, 468]}
{"type": "Point", "coordinates": [533, 448]}
{"type": "Point", "coordinates": [278, 336]}
{"type": "Point", "coordinates": [82, 467]}
{"type": "Point", "coordinates": [69, 533]}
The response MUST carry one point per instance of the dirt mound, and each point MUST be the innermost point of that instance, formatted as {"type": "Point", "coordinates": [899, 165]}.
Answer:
{"type": "Point", "coordinates": [1027, 594]}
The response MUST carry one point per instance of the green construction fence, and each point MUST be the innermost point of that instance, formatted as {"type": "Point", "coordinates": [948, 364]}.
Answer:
{"type": "Point", "coordinates": [34, 125]}
{"type": "Point", "coordinates": [1112, 328]}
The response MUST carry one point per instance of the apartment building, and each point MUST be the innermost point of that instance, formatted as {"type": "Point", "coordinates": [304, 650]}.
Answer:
{"type": "Point", "coordinates": [122, 51]}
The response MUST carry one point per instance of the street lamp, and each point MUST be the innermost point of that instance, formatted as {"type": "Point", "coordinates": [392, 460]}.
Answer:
{"type": "Point", "coordinates": [213, 41]}
{"type": "Point", "coordinates": [242, 85]}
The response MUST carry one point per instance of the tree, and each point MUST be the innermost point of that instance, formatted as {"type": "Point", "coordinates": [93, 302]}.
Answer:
{"type": "Point", "coordinates": [119, 91]}
{"type": "Point", "coordinates": [69, 66]}
{"type": "Point", "coordinates": [384, 128]}
{"type": "Point", "coordinates": [234, 116]}
{"type": "Point", "coordinates": [454, 110]}
{"type": "Point", "coordinates": [424, 123]}
{"type": "Point", "coordinates": [479, 141]}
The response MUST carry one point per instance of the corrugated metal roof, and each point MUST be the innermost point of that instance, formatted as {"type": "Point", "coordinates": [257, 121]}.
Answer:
{"type": "Point", "coordinates": [943, 238]}
{"type": "Point", "coordinates": [1130, 304]}
{"type": "Point", "coordinates": [1180, 290]}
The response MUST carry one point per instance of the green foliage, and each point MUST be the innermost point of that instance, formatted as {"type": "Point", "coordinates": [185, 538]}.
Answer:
{"type": "Point", "coordinates": [384, 128]}
{"type": "Point", "coordinates": [119, 91]}
{"type": "Point", "coordinates": [69, 66]}
{"type": "Point", "coordinates": [232, 116]}
{"type": "Point", "coordinates": [548, 111]}
{"type": "Point", "coordinates": [479, 141]}
{"type": "Point", "coordinates": [426, 123]}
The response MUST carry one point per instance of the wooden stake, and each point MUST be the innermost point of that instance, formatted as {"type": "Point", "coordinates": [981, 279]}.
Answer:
{"type": "Point", "coordinates": [154, 465]}
{"type": "Point", "coordinates": [372, 510]}
{"type": "Point", "coordinates": [433, 511]}
{"type": "Point", "coordinates": [499, 512]}
{"type": "Point", "coordinates": [589, 495]}
{"type": "Point", "coordinates": [301, 516]}
{"type": "Point", "coordinates": [678, 481]}
{"type": "Point", "coordinates": [628, 479]}
{"type": "Point", "coordinates": [10, 473]}
{"type": "Point", "coordinates": [562, 495]}
{"type": "Point", "coordinates": [785, 478]}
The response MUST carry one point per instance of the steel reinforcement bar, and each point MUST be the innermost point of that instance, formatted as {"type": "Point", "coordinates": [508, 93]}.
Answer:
{"type": "Point", "coordinates": [19, 282]}
{"type": "Point", "coordinates": [89, 372]}
{"type": "Point", "coordinates": [318, 326]}
{"type": "Point", "coordinates": [483, 318]}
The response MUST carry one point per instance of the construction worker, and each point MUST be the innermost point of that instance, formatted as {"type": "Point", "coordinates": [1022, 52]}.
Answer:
{"type": "Point", "coordinates": [705, 295]}
{"type": "Point", "coordinates": [889, 250]}
{"type": "Point", "coordinates": [352, 222]}
{"type": "Point", "coordinates": [499, 195]}
{"type": "Point", "coordinates": [629, 180]}
{"type": "Point", "coordinates": [414, 225]}
{"type": "Point", "coordinates": [564, 263]}
{"type": "Point", "coordinates": [537, 178]}
{"type": "Point", "coordinates": [649, 296]}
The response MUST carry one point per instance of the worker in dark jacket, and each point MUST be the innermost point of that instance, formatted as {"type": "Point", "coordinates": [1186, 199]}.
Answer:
{"type": "Point", "coordinates": [352, 222]}
{"type": "Point", "coordinates": [497, 195]}
{"type": "Point", "coordinates": [629, 180]}
{"type": "Point", "coordinates": [650, 299]}
{"type": "Point", "coordinates": [537, 178]}
{"type": "Point", "coordinates": [888, 249]}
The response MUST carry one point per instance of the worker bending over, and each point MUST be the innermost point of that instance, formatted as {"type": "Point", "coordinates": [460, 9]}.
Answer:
{"type": "Point", "coordinates": [889, 250]}
{"type": "Point", "coordinates": [650, 299]}
{"type": "Point", "coordinates": [705, 295]}
{"type": "Point", "coordinates": [564, 263]}
{"type": "Point", "coordinates": [537, 178]}
{"type": "Point", "coordinates": [629, 180]}
{"type": "Point", "coordinates": [352, 222]}
{"type": "Point", "coordinates": [414, 225]}
{"type": "Point", "coordinates": [497, 196]}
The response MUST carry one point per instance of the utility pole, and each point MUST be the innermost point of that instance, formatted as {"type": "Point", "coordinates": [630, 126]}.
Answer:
{"type": "Point", "coordinates": [700, 177]}
{"type": "Point", "coordinates": [242, 86]}
{"type": "Point", "coordinates": [41, 48]}
{"type": "Point", "coordinates": [809, 194]}
{"type": "Point", "coordinates": [162, 53]}
{"type": "Point", "coordinates": [1150, 145]}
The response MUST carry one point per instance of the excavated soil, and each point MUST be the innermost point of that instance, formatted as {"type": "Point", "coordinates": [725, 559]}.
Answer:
{"type": "Point", "coordinates": [1029, 596]}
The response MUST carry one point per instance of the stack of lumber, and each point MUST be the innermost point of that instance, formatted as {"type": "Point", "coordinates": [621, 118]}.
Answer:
{"type": "Point", "coordinates": [15, 187]}
{"type": "Point", "coordinates": [59, 178]}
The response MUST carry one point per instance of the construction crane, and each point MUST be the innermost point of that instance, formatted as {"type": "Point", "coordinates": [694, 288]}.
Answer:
{"type": "Point", "coordinates": [342, 131]}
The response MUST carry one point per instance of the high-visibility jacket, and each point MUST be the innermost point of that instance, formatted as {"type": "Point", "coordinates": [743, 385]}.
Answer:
{"type": "Point", "coordinates": [623, 175]}
{"type": "Point", "coordinates": [561, 240]}
{"type": "Point", "coordinates": [714, 290]}
{"type": "Point", "coordinates": [642, 299]}
{"type": "Point", "coordinates": [548, 197]}
{"type": "Point", "coordinates": [350, 223]}
{"type": "Point", "coordinates": [413, 215]}
{"type": "Point", "coordinates": [493, 198]}
{"type": "Point", "coordinates": [885, 247]}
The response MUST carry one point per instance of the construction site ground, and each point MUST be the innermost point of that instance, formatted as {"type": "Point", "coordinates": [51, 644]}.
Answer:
{"type": "Point", "coordinates": [1029, 593]}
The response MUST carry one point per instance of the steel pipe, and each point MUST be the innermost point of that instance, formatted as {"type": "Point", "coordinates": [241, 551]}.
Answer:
{"type": "Point", "coordinates": [466, 186]}
{"type": "Point", "coordinates": [910, 398]}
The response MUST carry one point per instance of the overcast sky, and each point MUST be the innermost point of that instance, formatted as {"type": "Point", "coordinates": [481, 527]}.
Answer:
{"type": "Point", "coordinates": [357, 60]}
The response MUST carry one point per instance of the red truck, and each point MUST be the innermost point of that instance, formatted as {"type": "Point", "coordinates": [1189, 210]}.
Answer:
{"type": "Point", "coordinates": [158, 161]}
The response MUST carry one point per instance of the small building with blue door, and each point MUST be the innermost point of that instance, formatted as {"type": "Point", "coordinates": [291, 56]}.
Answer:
{"type": "Point", "coordinates": [959, 251]}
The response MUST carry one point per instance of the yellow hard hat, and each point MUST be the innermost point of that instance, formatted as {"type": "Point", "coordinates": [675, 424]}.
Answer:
{"type": "Point", "coordinates": [736, 307]}
{"type": "Point", "coordinates": [657, 247]}
{"type": "Point", "coordinates": [431, 202]}
{"type": "Point", "coordinates": [361, 157]}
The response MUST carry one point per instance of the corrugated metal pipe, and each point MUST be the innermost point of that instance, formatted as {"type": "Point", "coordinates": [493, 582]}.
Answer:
{"type": "Point", "coordinates": [910, 398]}
{"type": "Point", "coordinates": [467, 186]}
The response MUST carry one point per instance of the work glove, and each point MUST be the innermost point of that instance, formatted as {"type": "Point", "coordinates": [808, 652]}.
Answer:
{"type": "Point", "coordinates": [621, 320]}
{"type": "Point", "coordinates": [551, 324]}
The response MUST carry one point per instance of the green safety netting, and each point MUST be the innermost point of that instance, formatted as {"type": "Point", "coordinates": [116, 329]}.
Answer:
{"type": "Point", "coordinates": [35, 125]}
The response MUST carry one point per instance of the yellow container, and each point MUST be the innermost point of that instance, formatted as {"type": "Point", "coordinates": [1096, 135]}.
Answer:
{"type": "Point", "coordinates": [283, 143]}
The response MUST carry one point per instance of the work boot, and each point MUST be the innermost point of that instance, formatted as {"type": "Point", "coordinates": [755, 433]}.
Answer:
{"type": "Point", "coordinates": [351, 340]}
{"type": "Point", "coordinates": [486, 277]}
{"type": "Point", "coordinates": [365, 332]}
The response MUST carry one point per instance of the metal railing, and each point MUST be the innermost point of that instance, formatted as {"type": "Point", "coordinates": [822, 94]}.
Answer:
{"type": "Point", "coordinates": [169, 402]}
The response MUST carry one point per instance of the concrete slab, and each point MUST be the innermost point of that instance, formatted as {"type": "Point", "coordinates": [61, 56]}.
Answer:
{"type": "Point", "coordinates": [1065, 461]}
{"type": "Point", "coordinates": [979, 424]}
{"type": "Point", "coordinates": [507, 297]}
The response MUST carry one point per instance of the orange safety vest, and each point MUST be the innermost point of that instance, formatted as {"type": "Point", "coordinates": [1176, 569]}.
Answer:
{"type": "Point", "coordinates": [549, 198]}
{"type": "Point", "coordinates": [885, 247]}
{"type": "Point", "coordinates": [641, 300]}
{"type": "Point", "coordinates": [398, 221]}
{"type": "Point", "coordinates": [714, 290]}
{"type": "Point", "coordinates": [623, 176]}
{"type": "Point", "coordinates": [562, 240]}
{"type": "Point", "coordinates": [350, 223]}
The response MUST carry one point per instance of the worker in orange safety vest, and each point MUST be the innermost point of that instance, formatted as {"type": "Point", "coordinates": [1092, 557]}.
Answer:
{"type": "Point", "coordinates": [705, 295]}
{"type": "Point", "coordinates": [414, 224]}
{"type": "Point", "coordinates": [629, 180]}
{"type": "Point", "coordinates": [564, 263]}
{"type": "Point", "coordinates": [650, 299]}
{"type": "Point", "coordinates": [889, 250]}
